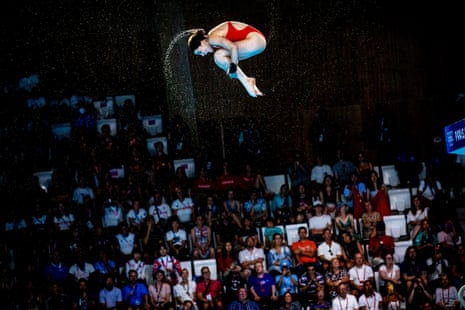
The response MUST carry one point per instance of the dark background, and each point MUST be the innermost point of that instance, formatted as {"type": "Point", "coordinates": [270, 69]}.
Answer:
{"type": "Point", "coordinates": [357, 61]}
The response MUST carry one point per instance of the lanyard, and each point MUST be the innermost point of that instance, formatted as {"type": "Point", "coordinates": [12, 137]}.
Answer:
{"type": "Point", "coordinates": [340, 304]}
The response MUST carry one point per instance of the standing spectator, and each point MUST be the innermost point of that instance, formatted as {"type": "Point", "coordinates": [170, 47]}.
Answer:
{"type": "Point", "coordinates": [353, 194]}
{"type": "Point", "coordinates": [135, 294]}
{"type": "Point", "coordinates": [377, 194]}
{"type": "Point", "coordinates": [110, 296]}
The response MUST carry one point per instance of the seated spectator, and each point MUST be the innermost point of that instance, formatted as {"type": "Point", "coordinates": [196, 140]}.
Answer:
{"type": "Point", "coordinates": [335, 276]}
{"type": "Point", "coordinates": [232, 283]}
{"type": "Point", "coordinates": [349, 247]}
{"type": "Point", "coordinates": [136, 216]}
{"type": "Point", "coordinates": [110, 296]}
{"type": "Point", "coordinates": [319, 222]}
{"type": "Point", "coordinates": [262, 287]}
{"type": "Point", "coordinates": [321, 302]}
{"type": "Point", "coordinates": [281, 205]}
{"type": "Point", "coordinates": [256, 208]}
{"type": "Point", "coordinates": [201, 237]}
{"type": "Point", "coordinates": [329, 195]}
{"type": "Point", "coordinates": [112, 215]}
{"type": "Point", "coordinates": [303, 202]}
{"type": "Point", "coordinates": [242, 301]}
{"type": "Point", "coordinates": [125, 245]}
{"type": "Point", "coordinates": [288, 302]}
{"type": "Point", "coordinates": [159, 291]}
{"type": "Point", "coordinates": [137, 264]}
{"type": "Point", "coordinates": [425, 240]}
{"type": "Point", "coordinates": [269, 231]}
{"type": "Point", "coordinates": [415, 215]}
{"type": "Point", "coordinates": [446, 296]}
{"type": "Point", "coordinates": [233, 208]}
{"type": "Point", "coordinates": [135, 294]}
{"type": "Point", "coordinates": [209, 292]}
{"type": "Point", "coordinates": [84, 297]}
{"type": "Point", "coordinates": [380, 245]}
{"type": "Point", "coordinates": [328, 249]}
{"type": "Point", "coordinates": [83, 189]}
{"type": "Point", "coordinates": [185, 289]}
{"type": "Point", "coordinates": [370, 218]}
{"type": "Point", "coordinates": [169, 264]}
{"type": "Point", "coordinates": [226, 181]}
{"type": "Point", "coordinates": [249, 256]}
{"type": "Point", "coordinates": [247, 230]}
{"type": "Point", "coordinates": [104, 267]}
{"type": "Point", "coordinates": [286, 281]}
{"type": "Point", "coordinates": [437, 265]}
{"type": "Point", "coordinates": [210, 211]}
{"type": "Point", "coordinates": [353, 193]}
{"type": "Point", "coordinates": [153, 238]}
{"type": "Point", "coordinates": [160, 210]}
{"type": "Point", "coordinates": [413, 270]}
{"type": "Point", "coordinates": [183, 208]}
{"type": "Point", "coordinates": [226, 231]}
{"type": "Point", "coordinates": [418, 295]}
{"type": "Point", "coordinates": [344, 222]}
{"type": "Point", "coordinates": [278, 254]}
{"type": "Point", "coordinates": [304, 251]}
{"type": "Point", "coordinates": [447, 238]}
{"type": "Point", "coordinates": [59, 298]}
{"type": "Point", "coordinates": [56, 271]}
{"type": "Point", "coordinates": [227, 259]}
{"type": "Point", "coordinates": [370, 299]}
{"type": "Point", "coordinates": [343, 300]}
{"type": "Point", "coordinates": [309, 283]}
{"type": "Point", "coordinates": [177, 239]}
{"type": "Point", "coordinates": [318, 173]}
{"type": "Point", "coordinates": [359, 274]}
{"type": "Point", "coordinates": [389, 274]}
{"type": "Point", "coordinates": [377, 194]}
{"type": "Point", "coordinates": [81, 269]}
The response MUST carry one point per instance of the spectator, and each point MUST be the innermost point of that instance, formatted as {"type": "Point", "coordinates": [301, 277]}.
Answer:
{"type": "Point", "coordinates": [81, 269]}
{"type": "Point", "coordinates": [353, 195]}
{"type": "Point", "coordinates": [209, 292]}
{"type": "Point", "coordinates": [349, 247]}
{"type": "Point", "coordinates": [169, 264]}
{"type": "Point", "coordinates": [446, 296]}
{"type": "Point", "coordinates": [136, 216]}
{"type": "Point", "coordinates": [377, 194]}
{"type": "Point", "coordinates": [425, 240]}
{"type": "Point", "coordinates": [232, 283]}
{"type": "Point", "coordinates": [319, 223]}
{"type": "Point", "coordinates": [183, 207]}
{"type": "Point", "coordinates": [159, 291]}
{"type": "Point", "coordinates": [160, 210]}
{"type": "Point", "coordinates": [270, 230]}
{"type": "Point", "coordinates": [126, 243]}
{"type": "Point", "coordinates": [289, 303]}
{"type": "Point", "coordinates": [227, 259]}
{"type": "Point", "coordinates": [328, 249]}
{"type": "Point", "coordinates": [389, 274]}
{"type": "Point", "coordinates": [303, 202]}
{"type": "Point", "coordinates": [309, 283]}
{"type": "Point", "coordinates": [415, 215]}
{"type": "Point", "coordinates": [201, 237]}
{"type": "Point", "coordinates": [243, 302]}
{"type": "Point", "coordinates": [286, 281]}
{"type": "Point", "coordinates": [185, 289]}
{"type": "Point", "coordinates": [335, 276]}
{"type": "Point", "coordinates": [279, 254]}
{"type": "Point", "coordinates": [256, 208]}
{"type": "Point", "coordinates": [370, 299]}
{"type": "Point", "coordinates": [318, 173]}
{"type": "Point", "coordinates": [304, 250]}
{"type": "Point", "coordinates": [177, 239]}
{"type": "Point", "coordinates": [233, 208]}
{"type": "Point", "coordinates": [380, 245]}
{"type": "Point", "coordinates": [135, 294]}
{"type": "Point", "coordinates": [110, 296]}
{"type": "Point", "coordinates": [343, 300]}
{"type": "Point", "coordinates": [359, 274]}
{"type": "Point", "coordinates": [249, 256]}
{"type": "Point", "coordinates": [262, 287]}
{"type": "Point", "coordinates": [136, 263]}
{"type": "Point", "coordinates": [370, 218]}
{"type": "Point", "coordinates": [281, 205]}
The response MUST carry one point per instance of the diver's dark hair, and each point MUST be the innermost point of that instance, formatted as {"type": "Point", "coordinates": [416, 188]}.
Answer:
{"type": "Point", "coordinates": [196, 37]}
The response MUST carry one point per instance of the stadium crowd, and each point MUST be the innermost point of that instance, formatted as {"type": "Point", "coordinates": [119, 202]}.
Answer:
{"type": "Point", "coordinates": [94, 240]}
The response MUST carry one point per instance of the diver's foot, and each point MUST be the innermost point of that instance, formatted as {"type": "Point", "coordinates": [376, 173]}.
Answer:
{"type": "Point", "coordinates": [252, 88]}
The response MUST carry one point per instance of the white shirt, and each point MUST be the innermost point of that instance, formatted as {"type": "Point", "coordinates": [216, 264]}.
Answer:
{"type": "Point", "coordinates": [80, 192]}
{"type": "Point", "coordinates": [247, 255]}
{"type": "Point", "coordinates": [447, 296]}
{"type": "Point", "coordinates": [390, 274]}
{"type": "Point", "coordinates": [370, 303]}
{"type": "Point", "coordinates": [319, 222]}
{"type": "Point", "coordinates": [329, 252]}
{"type": "Point", "coordinates": [176, 237]}
{"type": "Point", "coordinates": [137, 266]}
{"type": "Point", "coordinates": [78, 273]}
{"type": "Point", "coordinates": [360, 274]}
{"type": "Point", "coordinates": [183, 209]}
{"type": "Point", "coordinates": [126, 243]}
{"type": "Point", "coordinates": [348, 303]}
{"type": "Point", "coordinates": [185, 291]}
{"type": "Point", "coordinates": [112, 216]}
{"type": "Point", "coordinates": [164, 211]}
{"type": "Point", "coordinates": [137, 217]}
{"type": "Point", "coordinates": [319, 172]}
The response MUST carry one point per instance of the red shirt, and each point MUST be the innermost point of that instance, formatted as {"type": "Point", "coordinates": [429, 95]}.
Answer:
{"type": "Point", "coordinates": [307, 245]}
{"type": "Point", "coordinates": [213, 289]}
{"type": "Point", "coordinates": [380, 251]}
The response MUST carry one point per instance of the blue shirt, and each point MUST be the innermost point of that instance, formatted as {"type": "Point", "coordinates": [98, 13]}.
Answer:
{"type": "Point", "coordinates": [262, 286]}
{"type": "Point", "coordinates": [137, 297]}
{"type": "Point", "coordinates": [110, 298]}
{"type": "Point", "coordinates": [286, 284]}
